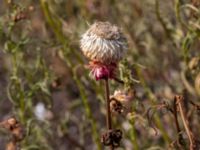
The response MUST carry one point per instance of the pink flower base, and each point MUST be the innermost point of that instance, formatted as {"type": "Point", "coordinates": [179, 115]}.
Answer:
{"type": "Point", "coordinates": [102, 71]}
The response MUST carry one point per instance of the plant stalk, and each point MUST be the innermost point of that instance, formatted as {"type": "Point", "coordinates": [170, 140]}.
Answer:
{"type": "Point", "coordinates": [108, 115]}
{"type": "Point", "coordinates": [180, 137]}
{"type": "Point", "coordinates": [179, 100]}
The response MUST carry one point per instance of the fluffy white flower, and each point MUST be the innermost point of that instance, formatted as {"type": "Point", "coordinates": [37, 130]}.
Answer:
{"type": "Point", "coordinates": [104, 42]}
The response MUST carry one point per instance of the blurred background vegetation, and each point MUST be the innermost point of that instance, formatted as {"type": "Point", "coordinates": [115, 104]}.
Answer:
{"type": "Point", "coordinates": [44, 84]}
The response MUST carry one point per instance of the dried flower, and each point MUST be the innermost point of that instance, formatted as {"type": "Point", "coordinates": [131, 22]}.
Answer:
{"type": "Point", "coordinates": [120, 101]}
{"type": "Point", "coordinates": [14, 127]}
{"type": "Point", "coordinates": [116, 106]}
{"type": "Point", "coordinates": [124, 96]}
{"type": "Point", "coordinates": [104, 42]}
{"type": "Point", "coordinates": [17, 131]}
{"type": "Point", "coordinates": [112, 137]}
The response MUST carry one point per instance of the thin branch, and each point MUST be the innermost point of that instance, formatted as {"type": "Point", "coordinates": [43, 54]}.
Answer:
{"type": "Point", "coordinates": [118, 80]}
{"type": "Point", "coordinates": [180, 137]}
{"type": "Point", "coordinates": [179, 100]}
{"type": "Point", "coordinates": [197, 106]}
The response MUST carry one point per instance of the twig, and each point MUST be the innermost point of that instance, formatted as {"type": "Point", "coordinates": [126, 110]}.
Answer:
{"type": "Point", "coordinates": [179, 100]}
{"type": "Point", "coordinates": [150, 118]}
{"type": "Point", "coordinates": [180, 137]}
{"type": "Point", "coordinates": [187, 85]}
{"type": "Point", "coordinates": [157, 107]}
{"type": "Point", "coordinates": [118, 80]}
{"type": "Point", "coordinates": [197, 106]}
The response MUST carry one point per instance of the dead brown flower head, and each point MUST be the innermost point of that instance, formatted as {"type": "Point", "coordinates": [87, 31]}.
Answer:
{"type": "Point", "coordinates": [121, 100]}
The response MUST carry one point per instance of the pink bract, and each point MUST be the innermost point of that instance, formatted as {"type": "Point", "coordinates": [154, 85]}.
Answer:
{"type": "Point", "coordinates": [102, 71]}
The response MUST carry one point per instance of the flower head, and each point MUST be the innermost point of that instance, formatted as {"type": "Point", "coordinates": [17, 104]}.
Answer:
{"type": "Point", "coordinates": [104, 42]}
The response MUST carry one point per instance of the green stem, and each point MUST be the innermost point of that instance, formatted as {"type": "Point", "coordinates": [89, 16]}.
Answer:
{"type": "Point", "coordinates": [133, 135]}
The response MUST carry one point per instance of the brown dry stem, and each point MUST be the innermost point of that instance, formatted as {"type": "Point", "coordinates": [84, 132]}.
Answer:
{"type": "Point", "coordinates": [179, 100]}
{"type": "Point", "coordinates": [108, 117]}
{"type": "Point", "coordinates": [180, 137]}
